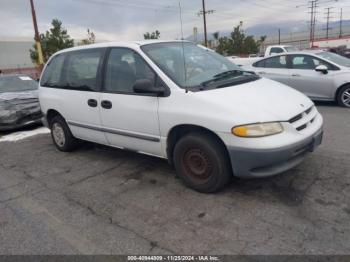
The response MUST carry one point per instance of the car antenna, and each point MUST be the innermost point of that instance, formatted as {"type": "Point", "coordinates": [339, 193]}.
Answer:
{"type": "Point", "coordinates": [183, 47]}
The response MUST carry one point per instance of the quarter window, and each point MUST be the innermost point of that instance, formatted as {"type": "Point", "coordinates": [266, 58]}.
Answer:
{"type": "Point", "coordinates": [124, 68]}
{"type": "Point", "coordinates": [259, 64]}
{"type": "Point", "coordinates": [82, 70]}
{"type": "Point", "coordinates": [52, 74]}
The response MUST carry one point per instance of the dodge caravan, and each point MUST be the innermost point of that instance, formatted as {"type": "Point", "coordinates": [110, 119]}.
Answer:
{"type": "Point", "coordinates": [181, 102]}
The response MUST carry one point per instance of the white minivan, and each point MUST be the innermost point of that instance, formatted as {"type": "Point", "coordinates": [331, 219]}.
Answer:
{"type": "Point", "coordinates": [178, 101]}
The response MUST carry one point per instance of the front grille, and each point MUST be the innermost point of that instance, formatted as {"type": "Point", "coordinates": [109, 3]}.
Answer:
{"type": "Point", "coordinates": [305, 119]}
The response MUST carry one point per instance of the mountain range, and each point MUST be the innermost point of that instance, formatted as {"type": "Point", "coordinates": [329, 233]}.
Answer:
{"type": "Point", "coordinates": [287, 28]}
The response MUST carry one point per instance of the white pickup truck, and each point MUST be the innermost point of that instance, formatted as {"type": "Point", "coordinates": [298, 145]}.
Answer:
{"type": "Point", "coordinates": [270, 50]}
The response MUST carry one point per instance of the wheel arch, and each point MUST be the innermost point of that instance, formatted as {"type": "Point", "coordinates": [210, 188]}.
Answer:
{"type": "Point", "coordinates": [338, 90]}
{"type": "Point", "coordinates": [179, 131]}
{"type": "Point", "coordinates": [51, 113]}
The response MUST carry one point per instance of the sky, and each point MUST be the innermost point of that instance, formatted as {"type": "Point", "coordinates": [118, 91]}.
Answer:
{"type": "Point", "coordinates": [120, 20]}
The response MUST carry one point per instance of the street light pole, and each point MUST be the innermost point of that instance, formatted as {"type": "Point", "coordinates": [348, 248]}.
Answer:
{"type": "Point", "coordinates": [37, 37]}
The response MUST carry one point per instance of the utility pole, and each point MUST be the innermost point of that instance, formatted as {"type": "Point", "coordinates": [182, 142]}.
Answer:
{"type": "Point", "coordinates": [328, 13]}
{"type": "Point", "coordinates": [313, 12]}
{"type": "Point", "coordinates": [279, 36]}
{"type": "Point", "coordinates": [37, 37]}
{"type": "Point", "coordinates": [204, 13]}
{"type": "Point", "coordinates": [341, 23]}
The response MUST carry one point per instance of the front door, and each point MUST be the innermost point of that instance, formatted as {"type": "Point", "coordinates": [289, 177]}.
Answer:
{"type": "Point", "coordinates": [275, 68]}
{"type": "Point", "coordinates": [130, 120]}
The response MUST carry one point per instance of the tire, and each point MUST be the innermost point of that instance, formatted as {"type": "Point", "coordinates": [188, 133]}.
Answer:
{"type": "Point", "coordinates": [202, 163]}
{"type": "Point", "coordinates": [62, 136]}
{"type": "Point", "coordinates": [343, 97]}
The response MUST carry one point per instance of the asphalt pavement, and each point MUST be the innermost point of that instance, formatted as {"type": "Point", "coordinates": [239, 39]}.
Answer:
{"type": "Point", "coordinates": [100, 200]}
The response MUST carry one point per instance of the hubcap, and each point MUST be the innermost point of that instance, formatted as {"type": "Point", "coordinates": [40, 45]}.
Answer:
{"type": "Point", "coordinates": [345, 97]}
{"type": "Point", "coordinates": [58, 134]}
{"type": "Point", "coordinates": [198, 166]}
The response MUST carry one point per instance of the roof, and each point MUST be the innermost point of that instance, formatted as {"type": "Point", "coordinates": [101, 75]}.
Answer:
{"type": "Point", "coordinates": [304, 52]}
{"type": "Point", "coordinates": [131, 44]}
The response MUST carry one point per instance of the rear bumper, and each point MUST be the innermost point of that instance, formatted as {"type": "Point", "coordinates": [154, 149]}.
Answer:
{"type": "Point", "coordinates": [250, 163]}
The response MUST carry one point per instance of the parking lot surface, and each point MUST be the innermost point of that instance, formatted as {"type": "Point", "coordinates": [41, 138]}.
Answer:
{"type": "Point", "coordinates": [99, 200]}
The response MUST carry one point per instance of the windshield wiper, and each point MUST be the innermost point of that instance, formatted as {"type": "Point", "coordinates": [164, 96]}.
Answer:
{"type": "Point", "coordinates": [233, 72]}
{"type": "Point", "coordinates": [224, 75]}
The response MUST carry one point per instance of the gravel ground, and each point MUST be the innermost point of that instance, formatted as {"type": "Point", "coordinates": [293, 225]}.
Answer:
{"type": "Point", "coordinates": [99, 200]}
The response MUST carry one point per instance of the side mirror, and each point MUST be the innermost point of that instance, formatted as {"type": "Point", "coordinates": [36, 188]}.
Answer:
{"type": "Point", "coordinates": [322, 68]}
{"type": "Point", "coordinates": [145, 86]}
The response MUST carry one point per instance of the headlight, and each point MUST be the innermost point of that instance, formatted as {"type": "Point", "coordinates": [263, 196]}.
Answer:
{"type": "Point", "coordinates": [258, 130]}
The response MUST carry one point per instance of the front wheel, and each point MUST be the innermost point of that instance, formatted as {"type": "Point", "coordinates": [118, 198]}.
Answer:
{"type": "Point", "coordinates": [62, 136]}
{"type": "Point", "coordinates": [202, 163]}
{"type": "Point", "coordinates": [344, 96]}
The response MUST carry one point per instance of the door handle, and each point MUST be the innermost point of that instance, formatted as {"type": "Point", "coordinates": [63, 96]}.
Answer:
{"type": "Point", "coordinates": [295, 75]}
{"type": "Point", "coordinates": [261, 73]}
{"type": "Point", "coordinates": [92, 103]}
{"type": "Point", "coordinates": [106, 104]}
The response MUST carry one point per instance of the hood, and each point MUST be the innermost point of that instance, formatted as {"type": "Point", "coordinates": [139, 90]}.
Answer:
{"type": "Point", "coordinates": [262, 100]}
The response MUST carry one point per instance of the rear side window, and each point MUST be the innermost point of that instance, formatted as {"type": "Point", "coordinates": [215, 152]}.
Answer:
{"type": "Point", "coordinates": [53, 71]}
{"type": "Point", "coordinates": [276, 62]}
{"type": "Point", "coordinates": [82, 69]}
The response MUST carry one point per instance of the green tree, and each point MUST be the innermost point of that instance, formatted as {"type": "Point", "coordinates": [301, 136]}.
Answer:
{"type": "Point", "coordinates": [153, 35]}
{"type": "Point", "coordinates": [91, 38]}
{"type": "Point", "coordinates": [52, 41]}
{"type": "Point", "coordinates": [238, 43]}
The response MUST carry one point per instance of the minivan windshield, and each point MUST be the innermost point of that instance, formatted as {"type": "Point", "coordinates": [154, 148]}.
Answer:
{"type": "Point", "coordinates": [189, 65]}
{"type": "Point", "coordinates": [335, 58]}
{"type": "Point", "coordinates": [17, 84]}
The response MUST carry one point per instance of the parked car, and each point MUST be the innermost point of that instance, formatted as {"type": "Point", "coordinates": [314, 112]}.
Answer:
{"type": "Point", "coordinates": [319, 74]}
{"type": "Point", "coordinates": [19, 103]}
{"type": "Point", "coordinates": [204, 114]}
{"type": "Point", "coordinates": [270, 50]}
{"type": "Point", "coordinates": [278, 49]}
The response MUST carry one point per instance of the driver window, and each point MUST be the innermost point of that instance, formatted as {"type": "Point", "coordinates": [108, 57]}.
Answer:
{"type": "Point", "coordinates": [307, 62]}
{"type": "Point", "coordinates": [124, 68]}
{"type": "Point", "coordinates": [303, 62]}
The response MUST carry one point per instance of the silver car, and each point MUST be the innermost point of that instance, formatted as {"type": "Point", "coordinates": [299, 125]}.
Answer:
{"type": "Point", "coordinates": [319, 74]}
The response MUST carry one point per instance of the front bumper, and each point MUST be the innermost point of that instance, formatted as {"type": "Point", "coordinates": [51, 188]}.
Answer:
{"type": "Point", "coordinates": [21, 121]}
{"type": "Point", "coordinates": [250, 163]}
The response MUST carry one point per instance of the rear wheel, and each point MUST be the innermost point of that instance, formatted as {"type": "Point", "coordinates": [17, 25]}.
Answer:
{"type": "Point", "coordinates": [202, 163]}
{"type": "Point", "coordinates": [62, 136]}
{"type": "Point", "coordinates": [343, 97]}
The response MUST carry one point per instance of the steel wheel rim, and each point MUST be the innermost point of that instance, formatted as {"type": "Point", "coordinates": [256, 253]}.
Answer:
{"type": "Point", "coordinates": [197, 164]}
{"type": "Point", "coordinates": [345, 97]}
{"type": "Point", "coordinates": [58, 134]}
